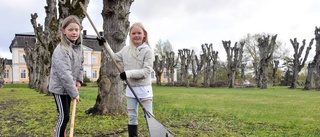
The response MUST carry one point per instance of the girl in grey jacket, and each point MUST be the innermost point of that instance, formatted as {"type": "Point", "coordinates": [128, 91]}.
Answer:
{"type": "Point", "coordinates": [66, 73]}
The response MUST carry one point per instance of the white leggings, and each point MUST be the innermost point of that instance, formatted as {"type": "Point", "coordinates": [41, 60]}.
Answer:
{"type": "Point", "coordinates": [132, 107]}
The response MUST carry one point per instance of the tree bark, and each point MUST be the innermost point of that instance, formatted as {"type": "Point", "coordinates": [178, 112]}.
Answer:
{"type": "Point", "coordinates": [242, 67]}
{"type": "Point", "coordinates": [38, 58]}
{"type": "Point", "coordinates": [171, 64]}
{"type": "Point", "coordinates": [158, 66]}
{"type": "Point", "coordinates": [311, 67]}
{"type": "Point", "coordinates": [317, 59]}
{"type": "Point", "coordinates": [274, 72]}
{"type": "Point", "coordinates": [298, 64]}
{"type": "Point", "coordinates": [312, 71]}
{"type": "Point", "coordinates": [234, 59]}
{"type": "Point", "coordinates": [110, 99]}
{"type": "Point", "coordinates": [2, 69]}
{"type": "Point", "coordinates": [266, 48]}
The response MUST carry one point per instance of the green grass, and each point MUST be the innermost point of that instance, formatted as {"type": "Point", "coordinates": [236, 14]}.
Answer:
{"type": "Point", "coordinates": [194, 112]}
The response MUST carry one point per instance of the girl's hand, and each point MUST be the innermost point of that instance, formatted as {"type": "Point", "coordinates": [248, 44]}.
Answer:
{"type": "Point", "coordinates": [78, 85]}
{"type": "Point", "coordinates": [77, 98]}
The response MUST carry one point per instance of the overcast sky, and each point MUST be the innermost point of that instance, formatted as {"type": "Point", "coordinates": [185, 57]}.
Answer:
{"type": "Point", "coordinates": [186, 23]}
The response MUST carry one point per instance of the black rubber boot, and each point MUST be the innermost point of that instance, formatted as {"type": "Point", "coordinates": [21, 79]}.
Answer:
{"type": "Point", "coordinates": [133, 130]}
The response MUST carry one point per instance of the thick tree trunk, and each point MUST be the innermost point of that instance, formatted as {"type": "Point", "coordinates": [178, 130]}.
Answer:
{"type": "Point", "coordinates": [196, 68]}
{"type": "Point", "coordinates": [2, 68]}
{"type": "Point", "coordinates": [308, 85]}
{"type": "Point", "coordinates": [39, 65]}
{"type": "Point", "coordinates": [316, 59]}
{"type": "Point", "coordinates": [257, 73]}
{"type": "Point", "coordinates": [242, 72]}
{"type": "Point", "coordinates": [183, 59]}
{"type": "Point", "coordinates": [297, 64]}
{"type": "Point", "coordinates": [171, 64]}
{"type": "Point", "coordinates": [208, 58]}
{"type": "Point", "coordinates": [234, 59]}
{"type": "Point", "coordinates": [158, 66]}
{"type": "Point", "coordinates": [274, 72]}
{"type": "Point", "coordinates": [266, 48]}
{"type": "Point", "coordinates": [111, 89]}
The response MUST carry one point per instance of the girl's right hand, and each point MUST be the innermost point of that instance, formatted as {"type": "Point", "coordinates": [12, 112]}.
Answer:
{"type": "Point", "coordinates": [77, 98]}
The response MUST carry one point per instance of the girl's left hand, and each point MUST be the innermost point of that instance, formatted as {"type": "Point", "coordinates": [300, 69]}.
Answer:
{"type": "Point", "coordinates": [78, 85]}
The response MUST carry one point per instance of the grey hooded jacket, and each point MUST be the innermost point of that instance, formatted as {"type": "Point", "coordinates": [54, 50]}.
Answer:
{"type": "Point", "coordinates": [66, 69]}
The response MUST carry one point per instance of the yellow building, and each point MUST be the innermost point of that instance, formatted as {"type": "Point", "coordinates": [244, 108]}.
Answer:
{"type": "Point", "coordinates": [16, 70]}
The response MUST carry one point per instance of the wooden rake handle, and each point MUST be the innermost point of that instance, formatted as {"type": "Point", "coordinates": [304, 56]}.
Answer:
{"type": "Point", "coordinates": [73, 115]}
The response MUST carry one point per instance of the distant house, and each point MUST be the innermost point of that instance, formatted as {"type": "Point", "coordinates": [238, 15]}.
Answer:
{"type": "Point", "coordinates": [16, 70]}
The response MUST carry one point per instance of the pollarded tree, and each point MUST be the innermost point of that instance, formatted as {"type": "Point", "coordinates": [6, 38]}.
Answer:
{"type": "Point", "coordinates": [252, 54]}
{"type": "Point", "coordinates": [110, 99]}
{"type": "Point", "coordinates": [158, 66]}
{"type": "Point", "coordinates": [242, 67]}
{"type": "Point", "coordinates": [38, 58]}
{"type": "Point", "coordinates": [162, 47]}
{"type": "Point", "coordinates": [312, 67]}
{"type": "Point", "coordinates": [209, 63]}
{"type": "Point", "coordinates": [2, 68]}
{"type": "Point", "coordinates": [234, 59]}
{"type": "Point", "coordinates": [171, 64]}
{"type": "Point", "coordinates": [266, 48]}
{"type": "Point", "coordinates": [298, 62]}
{"type": "Point", "coordinates": [274, 66]}
{"type": "Point", "coordinates": [196, 66]}
{"type": "Point", "coordinates": [185, 60]}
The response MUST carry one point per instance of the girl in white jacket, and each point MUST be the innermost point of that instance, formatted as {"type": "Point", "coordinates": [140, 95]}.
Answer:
{"type": "Point", "coordinates": [137, 59]}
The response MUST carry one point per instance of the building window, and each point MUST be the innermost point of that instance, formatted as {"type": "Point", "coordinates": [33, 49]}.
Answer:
{"type": "Point", "coordinates": [165, 74]}
{"type": "Point", "coordinates": [152, 74]}
{"type": "Point", "coordinates": [23, 74]}
{"type": "Point", "coordinates": [94, 74]}
{"type": "Point", "coordinates": [94, 60]}
{"type": "Point", "coordinates": [85, 73]}
{"type": "Point", "coordinates": [22, 58]}
{"type": "Point", "coordinates": [6, 73]}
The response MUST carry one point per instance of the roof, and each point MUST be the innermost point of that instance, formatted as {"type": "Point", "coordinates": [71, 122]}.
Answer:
{"type": "Point", "coordinates": [9, 62]}
{"type": "Point", "coordinates": [22, 39]}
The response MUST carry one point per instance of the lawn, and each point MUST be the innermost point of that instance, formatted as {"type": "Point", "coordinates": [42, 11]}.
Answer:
{"type": "Point", "coordinates": [192, 112]}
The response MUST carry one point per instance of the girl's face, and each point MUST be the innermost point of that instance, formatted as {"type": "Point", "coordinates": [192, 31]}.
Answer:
{"type": "Point", "coordinates": [137, 35]}
{"type": "Point", "coordinates": [72, 32]}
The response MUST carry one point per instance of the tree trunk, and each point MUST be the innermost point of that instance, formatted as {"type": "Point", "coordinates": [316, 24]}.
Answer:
{"type": "Point", "coordinates": [171, 64]}
{"type": "Point", "coordinates": [39, 65]}
{"type": "Point", "coordinates": [207, 50]}
{"type": "Point", "coordinates": [316, 59]}
{"type": "Point", "coordinates": [266, 48]}
{"type": "Point", "coordinates": [274, 72]}
{"type": "Point", "coordinates": [234, 59]}
{"type": "Point", "coordinates": [257, 73]}
{"type": "Point", "coordinates": [297, 64]}
{"type": "Point", "coordinates": [158, 66]}
{"type": "Point", "coordinates": [308, 85]}
{"type": "Point", "coordinates": [111, 89]}
{"type": "Point", "coordinates": [2, 69]}
{"type": "Point", "coordinates": [242, 72]}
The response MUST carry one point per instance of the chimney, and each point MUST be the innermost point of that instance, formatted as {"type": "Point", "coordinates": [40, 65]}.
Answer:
{"type": "Point", "coordinates": [84, 32]}
{"type": "Point", "coordinates": [101, 33]}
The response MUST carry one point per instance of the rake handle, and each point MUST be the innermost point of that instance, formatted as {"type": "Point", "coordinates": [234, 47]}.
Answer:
{"type": "Point", "coordinates": [73, 115]}
{"type": "Point", "coordinates": [106, 45]}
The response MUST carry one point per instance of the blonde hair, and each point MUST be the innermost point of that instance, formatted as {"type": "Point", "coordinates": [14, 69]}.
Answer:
{"type": "Point", "coordinates": [68, 20]}
{"type": "Point", "coordinates": [139, 24]}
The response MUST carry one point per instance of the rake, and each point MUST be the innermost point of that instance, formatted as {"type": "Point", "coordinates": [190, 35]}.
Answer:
{"type": "Point", "coordinates": [156, 129]}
